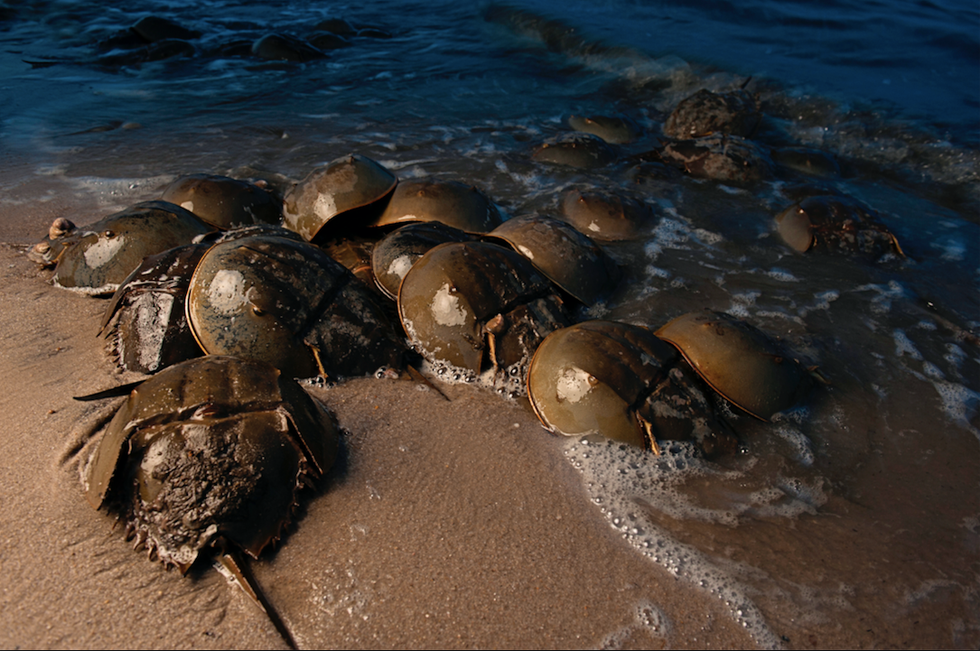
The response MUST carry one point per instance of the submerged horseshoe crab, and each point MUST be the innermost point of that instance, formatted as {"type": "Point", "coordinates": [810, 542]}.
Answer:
{"type": "Point", "coordinates": [207, 458]}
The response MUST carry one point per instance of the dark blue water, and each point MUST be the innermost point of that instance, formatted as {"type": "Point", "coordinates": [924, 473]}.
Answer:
{"type": "Point", "coordinates": [890, 89]}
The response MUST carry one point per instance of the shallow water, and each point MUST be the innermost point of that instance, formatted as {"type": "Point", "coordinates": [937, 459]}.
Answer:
{"type": "Point", "coordinates": [853, 519]}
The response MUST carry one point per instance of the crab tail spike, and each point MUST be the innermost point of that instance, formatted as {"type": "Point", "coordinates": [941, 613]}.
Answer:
{"type": "Point", "coordinates": [416, 375]}
{"type": "Point", "coordinates": [234, 564]}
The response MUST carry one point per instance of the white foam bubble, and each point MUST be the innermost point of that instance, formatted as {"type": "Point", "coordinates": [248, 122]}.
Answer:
{"type": "Point", "coordinates": [621, 479]}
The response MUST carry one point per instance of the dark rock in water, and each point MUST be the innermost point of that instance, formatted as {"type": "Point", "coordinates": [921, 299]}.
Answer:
{"type": "Point", "coordinates": [373, 32]}
{"type": "Point", "coordinates": [280, 47]}
{"type": "Point", "coordinates": [153, 28]}
{"type": "Point", "coordinates": [328, 41]}
{"type": "Point", "coordinates": [336, 26]}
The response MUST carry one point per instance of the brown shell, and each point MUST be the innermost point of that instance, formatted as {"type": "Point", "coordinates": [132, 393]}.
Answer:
{"type": "Point", "coordinates": [623, 382]}
{"type": "Point", "coordinates": [342, 186]}
{"type": "Point", "coordinates": [614, 130]}
{"type": "Point", "coordinates": [567, 257]}
{"type": "Point", "coordinates": [286, 302]}
{"type": "Point", "coordinates": [224, 202]}
{"type": "Point", "coordinates": [606, 216]}
{"type": "Point", "coordinates": [211, 449]}
{"type": "Point", "coordinates": [449, 202]}
{"type": "Point", "coordinates": [105, 252]}
{"type": "Point", "coordinates": [739, 361]}
{"type": "Point", "coordinates": [707, 112]}
{"type": "Point", "coordinates": [580, 150]}
{"type": "Point", "coordinates": [835, 223]}
{"type": "Point", "coordinates": [477, 306]}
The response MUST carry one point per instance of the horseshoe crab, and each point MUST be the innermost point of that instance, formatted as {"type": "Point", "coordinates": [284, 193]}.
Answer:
{"type": "Point", "coordinates": [605, 216]}
{"type": "Point", "coordinates": [450, 202]}
{"type": "Point", "coordinates": [720, 158]}
{"type": "Point", "coordinates": [145, 319]}
{"type": "Point", "coordinates": [395, 254]}
{"type": "Point", "coordinates": [337, 189]}
{"type": "Point", "coordinates": [582, 150]}
{"type": "Point", "coordinates": [623, 382]}
{"type": "Point", "coordinates": [835, 223]}
{"type": "Point", "coordinates": [567, 257]}
{"type": "Point", "coordinates": [477, 307]}
{"type": "Point", "coordinates": [286, 302]}
{"type": "Point", "coordinates": [706, 112]}
{"type": "Point", "coordinates": [614, 130]}
{"type": "Point", "coordinates": [224, 202]}
{"type": "Point", "coordinates": [206, 459]}
{"type": "Point", "coordinates": [101, 255]}
{"type": "Point", "coordinates": [739, 361]}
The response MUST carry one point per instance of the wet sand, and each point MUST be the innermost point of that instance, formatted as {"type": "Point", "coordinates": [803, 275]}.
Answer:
{"type": "Point", "coordinates": [445, 523]}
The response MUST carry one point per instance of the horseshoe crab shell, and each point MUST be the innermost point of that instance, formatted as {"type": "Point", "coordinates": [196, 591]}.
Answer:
{"type": "Point", "coordinates": [224, 202]}
{"type": "Point", "coordinates": [237, 430]}
{"type": "Point", "coordinates": [477, 306]}
{"type": "Point", "coordinates": [450, 202]}
{"type": "Point", "coordinates": [614, 130]}
{"type": "Point", "coordinates": [567, 257]}
{"type": "Point", "coordinates": [706, 112]}
{"type": "Point", "coordinates": [605, 216]}
{"type": "Point", "coordinates": [108, 250]}
{"type": "Point", "coordinates": [835, 223]}
{"type": "Point", "coordinates": [145, 319]}
{"type": "Point", "coordinates": [395, 254]}
{"type": "Point", "coordinates": [342, 186]}
{"type": "Point", "coordinates": [207, 458]}
{"type": "Point", "coordinates": [582, 150]}
{"type": "Point", "coordinates": [623, 382]}
{"type": "Point", "coordinates": [739, 361]}
{"type": "Point", "coordinates": [721, 158]}
{"type": "Point", "coordinates": [286, 302]}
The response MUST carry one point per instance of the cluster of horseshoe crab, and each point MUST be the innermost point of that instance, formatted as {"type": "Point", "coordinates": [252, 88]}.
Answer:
{"type": "Point", "coordinates": [225, 291]}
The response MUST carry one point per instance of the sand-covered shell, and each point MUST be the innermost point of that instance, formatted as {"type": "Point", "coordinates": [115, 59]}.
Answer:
{"type": "Point", "coordinates": [727, 158]}
{"type": "Point", "coordinates": [706, 112]}
{"type": "Point", "coordinates": [340, 187]}
{"type": "Point", "coordinates": [211, 449]}
{"type": "Point", "coordinates": [145, 320]}
{"type": "Point", "coordinates": [739, 361]}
